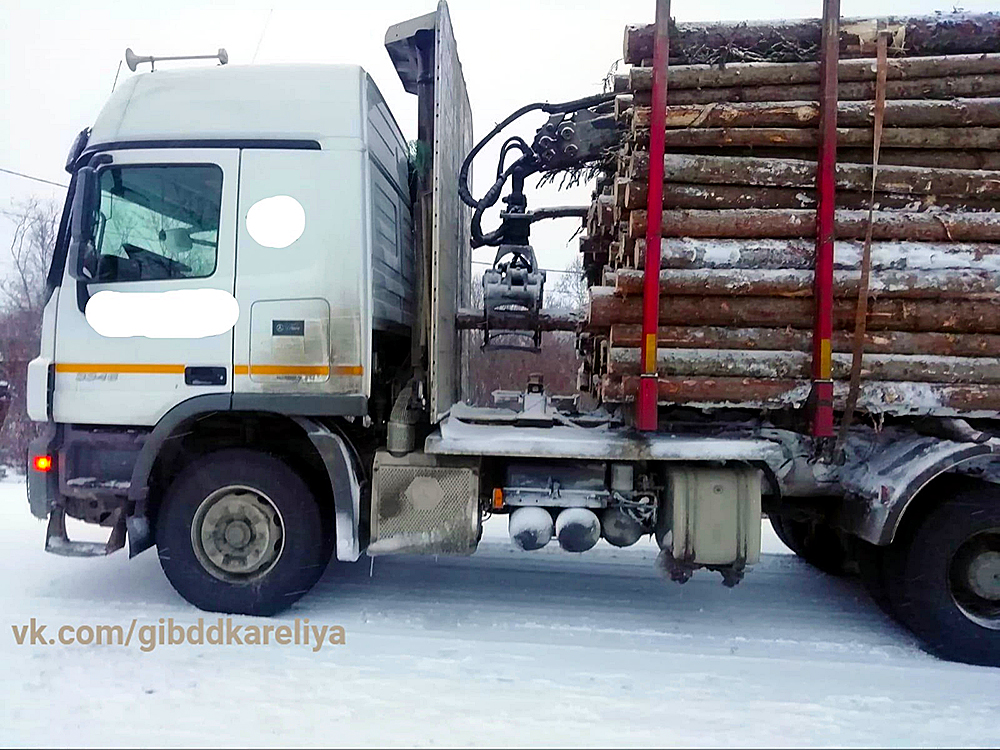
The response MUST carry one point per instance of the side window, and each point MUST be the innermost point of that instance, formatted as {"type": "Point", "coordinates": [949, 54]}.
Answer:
{"type": "Point", "coordinates": [158, 222]}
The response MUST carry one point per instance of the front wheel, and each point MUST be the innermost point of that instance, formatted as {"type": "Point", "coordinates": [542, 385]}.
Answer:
{"type": "Point", "coordinates": [239, 531]}
{"type": "Point", "coordinates": [942, 576]}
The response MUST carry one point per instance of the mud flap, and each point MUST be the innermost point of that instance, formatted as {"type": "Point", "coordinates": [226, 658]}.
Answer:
{"type": "Point", "coordinates": [57, 541]}
{"type": "Point", "coordinates": [140, 534]}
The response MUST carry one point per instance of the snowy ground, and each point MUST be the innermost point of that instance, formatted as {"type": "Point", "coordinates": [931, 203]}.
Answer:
{"type": "Point", "coordinates": [503, 648]}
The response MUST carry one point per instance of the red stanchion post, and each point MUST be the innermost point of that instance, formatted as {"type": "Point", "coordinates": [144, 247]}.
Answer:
{"type": "Point", "coordinates": [646, 411]}
{"type": "Point", "coordinates": [821, 399]}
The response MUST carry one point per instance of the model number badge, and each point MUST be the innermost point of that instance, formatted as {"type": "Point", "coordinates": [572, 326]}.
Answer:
{"type": "Point", "coordinates": [288, 328]}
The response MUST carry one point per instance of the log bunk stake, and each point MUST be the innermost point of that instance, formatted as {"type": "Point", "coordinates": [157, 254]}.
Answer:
{"type": "Point", "coordinates": [821, 396]}
{"type": "Point", "coordinates": [646, 411]}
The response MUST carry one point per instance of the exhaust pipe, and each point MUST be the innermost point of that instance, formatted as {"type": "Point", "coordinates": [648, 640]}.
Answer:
{"type": "Point", "coordinates": [577, 529]}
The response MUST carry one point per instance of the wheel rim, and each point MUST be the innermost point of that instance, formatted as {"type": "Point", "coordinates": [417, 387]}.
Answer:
{"type": "Point", "coordinates": [237, 534]}
{"type": "Point", "coordinates": [974, 578]}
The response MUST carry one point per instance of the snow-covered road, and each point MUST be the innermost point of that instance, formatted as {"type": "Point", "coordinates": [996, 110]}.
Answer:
{"type": "Point", "coordinates": [503, 648]}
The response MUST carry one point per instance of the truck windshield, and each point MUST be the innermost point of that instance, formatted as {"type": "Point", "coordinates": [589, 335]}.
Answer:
{"type": "Point", "coordinates": [158, 222]}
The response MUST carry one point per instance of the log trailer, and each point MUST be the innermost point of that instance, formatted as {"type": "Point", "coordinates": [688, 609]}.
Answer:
{"type": "Point", "coordinates": [325, 418]}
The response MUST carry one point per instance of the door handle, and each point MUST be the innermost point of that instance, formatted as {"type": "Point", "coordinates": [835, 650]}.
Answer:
{"type": "Point", "coordinates": [205, 375]}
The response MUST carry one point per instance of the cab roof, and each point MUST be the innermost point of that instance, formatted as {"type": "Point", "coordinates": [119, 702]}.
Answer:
{"type": "Point", "coordinates": [240, 102]}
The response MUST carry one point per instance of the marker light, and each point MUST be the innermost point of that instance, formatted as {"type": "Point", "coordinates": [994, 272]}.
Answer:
{"type": "Point", "coordinates": [497, 498]}
{"type": "Point", "coordinates": [43, 463]}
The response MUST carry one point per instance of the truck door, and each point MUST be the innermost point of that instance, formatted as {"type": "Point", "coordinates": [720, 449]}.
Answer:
{"type": "Point", "coordinates": [167, 223]}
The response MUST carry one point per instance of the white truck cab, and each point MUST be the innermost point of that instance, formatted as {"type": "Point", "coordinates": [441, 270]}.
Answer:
{"type": "Point", "coordinates": [185, 162]}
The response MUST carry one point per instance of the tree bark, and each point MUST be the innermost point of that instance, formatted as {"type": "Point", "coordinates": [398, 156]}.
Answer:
{"type": "Point", "coordinates": [550, 319]}
{"type": "Point", "coordinates": [686, 252]}
{"type": "Point", "coordinates": [888, 284]}
{"type": "Point", "coordinates": [798, 40]}
{"type": "Point", "coordinates": [899, 113]}
{"type": "Point", "coordinates": [782, 339]}
{"type": "Point", "coordinates": [744, 196]}
{"type": "Point", "coordinates": [607, 308]}
{"type": "Point", "coordinates": [902, 157]}
{"type": "Point", "coordinates": [987, 85]}
{"type": "Point", "coordinates": [876, 396]}
{"type": "Point", "coordinates": [791, 223]}
{"type": "Point", "coordinates": [757, 73]}
{"type": "Point", "coordinates": [932, 138]}
{"type": "Point", "coordinates": [796, 173]}
{"type": "Point", "coordinates": [917, 368]}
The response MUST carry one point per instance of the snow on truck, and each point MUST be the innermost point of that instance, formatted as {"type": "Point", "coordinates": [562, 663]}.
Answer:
{"type": "Point", "coordinates": [252, 351]}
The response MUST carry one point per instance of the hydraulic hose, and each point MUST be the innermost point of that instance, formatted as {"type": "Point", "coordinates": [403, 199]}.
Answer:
{"type": "Point", "coordinates": [571, 106]}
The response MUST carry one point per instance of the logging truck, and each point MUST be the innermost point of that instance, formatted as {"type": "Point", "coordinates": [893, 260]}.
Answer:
{"type": "Point", "coordinates": [252, 349]}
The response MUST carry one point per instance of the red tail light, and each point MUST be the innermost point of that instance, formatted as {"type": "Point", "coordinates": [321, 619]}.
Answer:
{"type": "Point", "coordinates": [42, 463]}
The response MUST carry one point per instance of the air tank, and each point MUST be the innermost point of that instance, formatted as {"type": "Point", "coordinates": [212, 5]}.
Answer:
{"type": "Point", "coordinates": [577, 529]}
{"type": "Point", "coordinates": [530, 527]}
{"type": "Point", "coordinates": [619, 528]}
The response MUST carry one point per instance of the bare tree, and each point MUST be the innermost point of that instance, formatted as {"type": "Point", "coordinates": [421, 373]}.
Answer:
{"type": "Point", "coordinates": [570, 288]}
{"type": "Point", "coordinates": [22, 300]}
{"type": "Point", "coordinates": [36, 223]}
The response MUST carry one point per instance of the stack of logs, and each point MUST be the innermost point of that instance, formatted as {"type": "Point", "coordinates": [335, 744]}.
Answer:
{"type": "Point", "coordinates": [736, 306]}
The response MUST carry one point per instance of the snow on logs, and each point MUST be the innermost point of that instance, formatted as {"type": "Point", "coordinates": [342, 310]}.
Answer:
{"type": "Point", "coordinates": [736, 308]}
{"type": "Point", "coordinates": [762, 223]}
{"type": "Point", "coordinates": [797, 40]}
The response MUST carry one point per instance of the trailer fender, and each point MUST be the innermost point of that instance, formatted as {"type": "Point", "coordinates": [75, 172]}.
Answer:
{"type": "Point", "coordinates": [878, 489]}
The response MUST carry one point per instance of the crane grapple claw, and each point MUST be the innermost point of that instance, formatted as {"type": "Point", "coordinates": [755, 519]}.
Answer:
{"type": "Point", "coordinates": [514, 283]}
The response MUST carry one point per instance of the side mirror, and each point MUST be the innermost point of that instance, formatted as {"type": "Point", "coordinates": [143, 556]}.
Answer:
{"type": "Point", "coordinates": [81, 239]}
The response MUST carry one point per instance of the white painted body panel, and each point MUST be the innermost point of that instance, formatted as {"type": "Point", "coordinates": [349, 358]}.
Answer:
{"type": "Point", "coordinates": [110, 394]}
{"type": "Point", "coordinates": [322, 279]}
{"type": "Point", "coordinates": [313, 102]}
{"type": "Point", "coordinates": [38, 368]}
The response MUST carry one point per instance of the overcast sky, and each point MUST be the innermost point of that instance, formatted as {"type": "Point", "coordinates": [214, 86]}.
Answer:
{"type": "Point", "coordinates": [58, 61]}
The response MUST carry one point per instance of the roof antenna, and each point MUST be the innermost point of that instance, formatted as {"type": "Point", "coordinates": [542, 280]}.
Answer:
{"type": "Point", "coordinates": [133, 60]}
{"type": "Point", "coordinates": [117, 72]}
{"type": "Point", "coordinates": [262, 32]}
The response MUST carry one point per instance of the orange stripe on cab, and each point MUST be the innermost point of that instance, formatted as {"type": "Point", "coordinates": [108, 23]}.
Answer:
{"type": "Point", "coordinates": [323, 370]}
{"type": "Point", "coordinates": [131, 369]}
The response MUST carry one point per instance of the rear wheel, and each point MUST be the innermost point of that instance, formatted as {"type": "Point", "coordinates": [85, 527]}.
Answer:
{"type": "Point", "coordinates": [943, 576]}
{"type": "Point", "coordinates": [239, 531]}
{"type": "Point", "coordinates": [815, 542]}
{"type": "Point", "coordinates": [871, 564]}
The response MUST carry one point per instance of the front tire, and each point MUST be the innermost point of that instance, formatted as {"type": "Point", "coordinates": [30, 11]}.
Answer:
{"type": "Point", "coordinates": [942, 575]}
{"type": "Point", "coordinates": [240, 532]}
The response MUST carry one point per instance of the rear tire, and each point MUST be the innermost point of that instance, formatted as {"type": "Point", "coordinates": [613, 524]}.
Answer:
{"type": "Point", "coordinates": [779, 529]}
{"type": "Point", "coordinates": [240, 532]}
{"type": "Point", "coordinates": [943, 575]}
{"type": "Point", "coordinates": [871, 563]}
{"type": "Point", "coordinates": [815, 542]}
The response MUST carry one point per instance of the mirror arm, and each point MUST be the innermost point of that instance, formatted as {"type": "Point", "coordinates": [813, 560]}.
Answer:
{"type": "Point", "coordinates": [82, 295]}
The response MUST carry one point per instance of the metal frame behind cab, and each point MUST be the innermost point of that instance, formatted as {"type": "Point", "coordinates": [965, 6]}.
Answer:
{"type": "Point", "coordinates": [425, 55]}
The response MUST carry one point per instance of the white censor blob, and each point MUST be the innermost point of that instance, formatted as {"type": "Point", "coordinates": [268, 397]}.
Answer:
{"type": "Point", "coordinates": [180, 314]}
{"type": "Point", "coordinates": [277, 221]}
